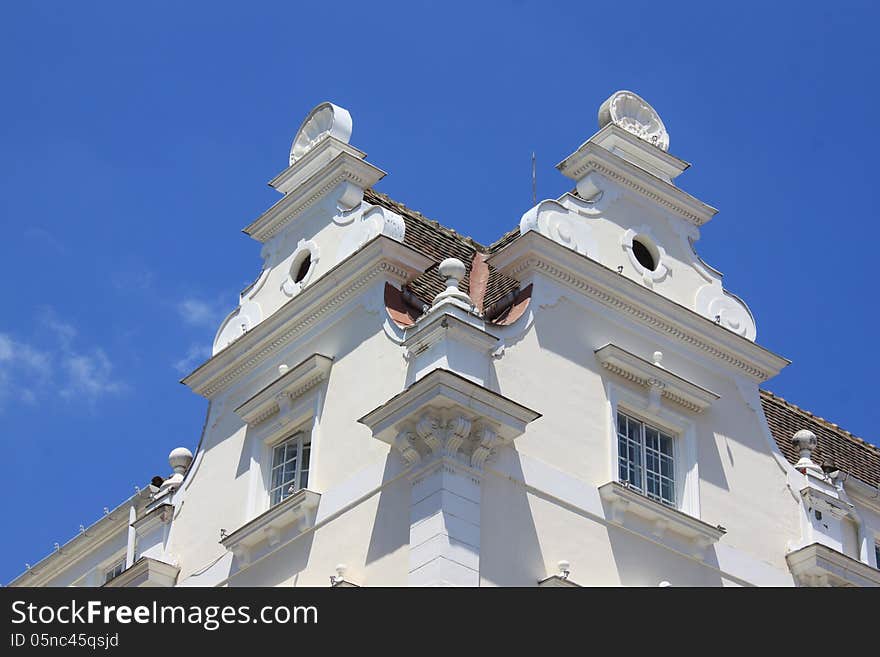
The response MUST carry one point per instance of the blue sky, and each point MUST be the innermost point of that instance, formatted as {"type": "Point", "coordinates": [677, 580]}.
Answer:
{"type": "Point", "coordinates": [137, 140]}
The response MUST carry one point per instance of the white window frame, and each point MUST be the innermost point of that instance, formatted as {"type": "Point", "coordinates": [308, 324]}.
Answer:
{"type": "Point", "coordinates": [679, 427]}
{"type": "Point", "coordinates": [642, 445]}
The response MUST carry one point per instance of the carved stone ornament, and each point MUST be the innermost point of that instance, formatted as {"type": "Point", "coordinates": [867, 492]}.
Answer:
{"type": "Point", "coordinates": [635, 115]}
{"type": "Point", "coordinates": [326, 120]}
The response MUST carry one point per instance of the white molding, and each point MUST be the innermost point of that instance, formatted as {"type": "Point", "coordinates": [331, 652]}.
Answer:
{"type": "Point", "coordinates": [819, 565]}
{"type": "Point", "coordinates": [382, 260]}
{"type": "Point", "coordinates": [409, 421]}
{"type": "Point", "coordinates": [592, 157]}
{"type": "Point", "coordinates": [622, 501]}
{"type": "Point", "coordinates": [329, 164]}
{"type": "Point", "coordinates": [557, 582]}
{"type": "Point", "coordinates": [298, 510]}
{"type": "Point", "coordinates": [291, 287]}
{"type": "Point", "coordinates": [532, 254]}
{"type": "Point", "coordinates": [633, 368]}
{"type": "Point", "coordinates": [279, 395]}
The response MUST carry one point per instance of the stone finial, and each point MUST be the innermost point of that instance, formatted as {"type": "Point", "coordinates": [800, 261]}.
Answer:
{"type": "Point", "coordinates": [632, 113]}
{"type": "Point", "coordinates": [805, 441]}
{"type": "Point", "coordinates": [453, 270]}
{"type": "Point", "coordinates": [179, 459]}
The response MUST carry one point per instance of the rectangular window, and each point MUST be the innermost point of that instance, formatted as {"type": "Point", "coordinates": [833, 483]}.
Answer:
{"type": "Point", "coordinates": [645, 459]}
{"type": "Point", "coordinates": [290, 467]}
{"type": "Point", "coordinates": [114, 571]}
{"type": "Point", "coordinates": [877, 554]}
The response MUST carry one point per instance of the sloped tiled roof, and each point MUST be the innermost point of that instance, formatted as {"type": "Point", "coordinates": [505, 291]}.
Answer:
{"type": "Point", "coordinates": [850, 453]}
{"type": "Point", "coordinates": [439, 242]}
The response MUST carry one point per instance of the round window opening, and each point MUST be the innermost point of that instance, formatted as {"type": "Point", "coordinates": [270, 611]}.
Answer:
{"type": "Point", "coordinates": [303, 268]}
{"type": "Point", "coordinates": [646, 253]}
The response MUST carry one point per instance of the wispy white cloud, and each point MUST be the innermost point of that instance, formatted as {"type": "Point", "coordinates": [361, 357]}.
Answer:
{"type": "Point", "coordinates": [90, 377]}
{"type": "Point", "coordinates": [195, 355]}
{"type": "Point", "coordinates": [29, 372]}
{"type": "Point", "coordinates": [198, 312]}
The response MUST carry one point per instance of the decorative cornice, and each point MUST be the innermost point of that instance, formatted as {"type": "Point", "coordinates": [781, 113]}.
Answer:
{"type": "Point", "coordinates": [298, 509]}
{"type": "Point", "coordinates": [819, 565]}
{"type": "Point", "coordinates": [622, 500]}
{"type": "Point", "coordinates": [535, 252]}
{"type": "Point", "coordinates": [282, 392]}
{"type": "Point", "coordinates": [644, 373]}
{"type": "Point", "coordinates": [444, 413]}
{"type": "Point", "coordinates": [592, 157]}
{"type": "Point", "coordinates": [382, 258]}
{"type": "Point", "coordinates": [346, 165]}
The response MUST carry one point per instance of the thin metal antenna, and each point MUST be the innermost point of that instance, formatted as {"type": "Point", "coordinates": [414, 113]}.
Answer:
{"type": "Point", "coordinates": [534, 181]}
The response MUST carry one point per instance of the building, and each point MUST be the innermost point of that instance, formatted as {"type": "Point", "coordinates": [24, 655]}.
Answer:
{"type": "Point", "coordinates": [578, 403]}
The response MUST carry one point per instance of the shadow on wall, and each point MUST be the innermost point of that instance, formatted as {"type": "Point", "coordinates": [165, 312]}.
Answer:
{"type": "Point", "coordinates": [281, 568]}
{"type": "Point", "coordinates": [391, 525]}
{"type": "Point", "coordinates": [510, 553]}
{"type": "Point", "coordinates": [641, 562]}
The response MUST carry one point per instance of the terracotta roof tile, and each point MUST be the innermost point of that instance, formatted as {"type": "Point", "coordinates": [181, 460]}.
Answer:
{"type": "Point", "coordinates": [439, 242]}
{"type": "Point", "coordinates": [850, 453]}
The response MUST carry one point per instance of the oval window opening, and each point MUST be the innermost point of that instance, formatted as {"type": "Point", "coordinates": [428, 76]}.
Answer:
{"type": "Point", "coordinates": [644, 255]}
{"type": "Point", "coordinates": [303, 268]}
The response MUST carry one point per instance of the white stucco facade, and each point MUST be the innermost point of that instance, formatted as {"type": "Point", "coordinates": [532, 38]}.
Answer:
{"type": "Point", "coordinates": [458, 449]}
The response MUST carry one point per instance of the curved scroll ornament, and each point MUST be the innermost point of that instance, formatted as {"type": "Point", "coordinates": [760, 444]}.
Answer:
{"type": "Point", "coordinates": [325, 120]}
{"type": "Point", "coordinates": [237, 323]}
{"type": "Point", "coordinates": [632, 113]}
{"type": "Point", "coordinates": [553, 220]}
{"type": "Point", "coordinates": [726, 309]}
{"type": "Point", "coordinates": [373, 222]}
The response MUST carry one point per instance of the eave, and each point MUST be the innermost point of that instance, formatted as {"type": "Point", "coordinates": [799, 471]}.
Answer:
{"type": "Point", "coordinates": [533, 252]}
{"type": "Point", "coordinates": [381, 258]}
{"type": "Point", "coordinates": [100, 531]}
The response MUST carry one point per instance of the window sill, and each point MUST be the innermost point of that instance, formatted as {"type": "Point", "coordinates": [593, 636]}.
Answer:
{"type": "Point", "coordinates": [297, 513]}
{"type": "Point", "coordinates": [146, 572]}
{"type": "Point", "coordinates": [819, 565]}
{"type": "Point", "coordinates": [637, 512]}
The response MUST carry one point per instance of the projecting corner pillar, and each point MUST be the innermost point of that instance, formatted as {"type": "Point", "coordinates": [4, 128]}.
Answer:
{"type": "Point", "coordinates": [444, 531]}
{"type": "Point", "coordinates": [445, 427]}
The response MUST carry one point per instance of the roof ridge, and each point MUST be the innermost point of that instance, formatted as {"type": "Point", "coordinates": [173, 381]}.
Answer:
{"type": "Point", "coordinates": [415, 214]}
{"type": "Point", "coordinates": [831, 426]}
